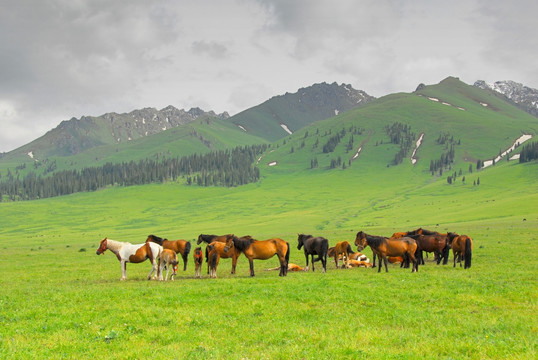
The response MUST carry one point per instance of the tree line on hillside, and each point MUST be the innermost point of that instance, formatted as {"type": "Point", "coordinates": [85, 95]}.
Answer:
{"type": "Point", "coordinates": [221, 168]}
{"type": "Point", "coordinates": [400, 134]}
{"type": "Point", "coordinates": [529, 152]}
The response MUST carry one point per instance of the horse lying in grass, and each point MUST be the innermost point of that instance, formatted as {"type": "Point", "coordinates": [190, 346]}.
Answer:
{"type": "Point", "coordinates": [341, 250]}
{"type": "Point", "coordinates": [198, 260]}
{"type": "Point", "coordinates": [261, 249]}
{"type": "Point", "coordinates": [356, 263]}
{"type": "Point", "coordinates": [127, 252]}
{"type": "Point", "coordinates": [291, 267]}
{"type": "Point", "coordinates": [462, 248]}
{"type": "Point", "coordinates": [384, 247]}
{"type": "Point", "coordinates": [166, 259]}
{"type": "Point", "coordinates": [182, 247]}
{"type": "Point", "coordinates": [314, 246]}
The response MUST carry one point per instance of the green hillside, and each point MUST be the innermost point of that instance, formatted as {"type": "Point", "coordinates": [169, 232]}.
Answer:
{"type": "Point", "coordinates": [276, 117]}
{"type": "Point", "coordinates": [61, 300]}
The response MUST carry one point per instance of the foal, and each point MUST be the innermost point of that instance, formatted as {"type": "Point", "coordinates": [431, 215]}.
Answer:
{"type": "Point", "coordinates": [198, 260]}
{"type": "Point", "coordinates": [168, 257]}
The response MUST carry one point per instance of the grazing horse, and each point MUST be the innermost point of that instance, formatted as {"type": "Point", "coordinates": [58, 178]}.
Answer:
{"type": "Point", "coordinates": [213, 259]}
{"type": "Point", "coordinates": [342, 250]}
{"type": "Point", "coordinates": [291, 267]}
{"type": "Point", "coordinates": [462, 248]}
{"type": "Point", "coordinates": [182, 247]}
{"type": "Point", "coordinates": [261, 249]}
{"type": "Point", "coordinates": [384, 247]}
{"type": "Point", "coordinates": [431, 241]}
{"type": "Point", "coordinates": [168, 257]}
{"type": "Point", "coordinates": [127, 252]}
{"type": "Point", "coordinates": [208, 239]}
{"type": "Point", "coordinates": [198, 260]}
{"type": "Point", "coordinates": [314, 246]}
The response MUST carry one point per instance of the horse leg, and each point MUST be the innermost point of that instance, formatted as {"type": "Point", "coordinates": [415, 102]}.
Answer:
{"type": "Point", "coordinates": [251, 262]}
{"type": "Point", "coordinates": [324, 263]}
{"type": "Point", "coordinates": [207, 258]}
{"type": "Point", "coordinates": [234, 263]}
{"type": "Point", "coordinates": [123, 270]}
{"type": "Point", "coordinates": [312, 261]}
{"type": "Point", "coordinates": [154, 269]}
{"type": "Point", "coordinates": [386, 261]}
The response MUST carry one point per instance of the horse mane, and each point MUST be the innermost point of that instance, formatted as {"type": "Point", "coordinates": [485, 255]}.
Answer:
{"type": "Point", "coordinates": [243, 242]}
{"type": "Point", "coordinates": [207, 238]}
{"type": "Point", "coordinates": [156, 239]}
{"type": "Point", "coordinates": [375, 241]}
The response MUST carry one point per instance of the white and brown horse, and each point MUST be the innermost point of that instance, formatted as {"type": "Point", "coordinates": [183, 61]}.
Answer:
{"type": "Point", "coordinates": [127, 252]}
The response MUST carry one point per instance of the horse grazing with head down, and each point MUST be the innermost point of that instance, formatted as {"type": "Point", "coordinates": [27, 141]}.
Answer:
{"type": "Point", "coordinates": [261, 249]}
{"type": "Point", "coordinates": [208, 239]}
{"type": "Point", "coordinates": [342, 250]}
{"type": "Point", "coordinates": [314, 246]}
{"type": "Point", "coordinates": [462, 248]}
{"type": "Point", "coordinates": [182, 247]}
{"type": "Point", "coordinates": [127, 252]}
{"type": "Point", "coordinates": [168, 258]}
{"type": "Point", "coordinates": [384, 247]}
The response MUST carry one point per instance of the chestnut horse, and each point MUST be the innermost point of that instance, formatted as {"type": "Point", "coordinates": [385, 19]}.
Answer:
{"type": "Point", "coordinates": [384, 247]}
{"type": "Point", "coordinates": [168, 258]}
{"type": "Point", "coordinates": [314, 246]}
{"type": "Point", "coordinates": [182, 247]}
{"type": "Point", "coordinates": [198, 260]}
{"type": "Point", "coordinates": [342, 250]}
{"type": "Point", "coordinates": [261, 249]}
{"type": "Point", "coordinates": [127, 252]}
{"type": "Point", "coordinates": [208, 239]}
{"type": "Point", "coordinates": [213, 258]}
{"type": "Point", "coordinates": [291, 267]}
{"type": "Point", "coordinates": [462, 248]}
{"type": "Point", "coordinates": [219, 247]}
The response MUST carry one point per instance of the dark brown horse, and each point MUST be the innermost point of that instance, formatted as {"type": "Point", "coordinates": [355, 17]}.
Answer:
{"type": "Point", "coordinates": [431, 241]}
{"type": "Point", "coordinates": [384, 247]}
{"type": "Point", "coordinates": [261, 249]}
{"type": "Point", "coordinates": [182, 247]}
{"type": "Point", "coordinates": [462, 248]}
{"type": "Point", "coordinates": [213, 258]}
{"type": "Point", "coordinates": [198, 260]}
{"type": "Point", "coordinates": [208, 239]}
{"type": "Point", "coordinates": [314, 246]}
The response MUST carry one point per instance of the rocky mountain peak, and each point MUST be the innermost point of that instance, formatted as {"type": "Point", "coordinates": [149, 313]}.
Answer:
{"type": "Point", "coordinates": [522, 96]}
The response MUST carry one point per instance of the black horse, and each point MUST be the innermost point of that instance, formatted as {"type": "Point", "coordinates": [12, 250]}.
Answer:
{"type": "Point", "coordinates": [314, 246]}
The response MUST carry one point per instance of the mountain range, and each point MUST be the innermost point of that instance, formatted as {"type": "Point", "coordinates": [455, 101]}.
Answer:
{"type": "Point", "coordinates": [321, 127]}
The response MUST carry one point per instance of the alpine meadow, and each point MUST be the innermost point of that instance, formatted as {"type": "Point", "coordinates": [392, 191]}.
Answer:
{"type": "Point", "coordinates": [429, 159]}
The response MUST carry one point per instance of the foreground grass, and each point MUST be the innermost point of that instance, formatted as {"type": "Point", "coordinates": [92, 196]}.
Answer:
{"type": "Point", "coordinates": [59, 300]}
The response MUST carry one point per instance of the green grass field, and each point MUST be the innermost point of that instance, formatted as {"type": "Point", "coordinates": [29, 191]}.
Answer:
{"type": "Point", "coordinates": [59, 300]}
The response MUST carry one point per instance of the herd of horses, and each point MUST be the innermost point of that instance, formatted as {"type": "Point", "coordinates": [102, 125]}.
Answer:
{"type": "Point", "coordinates": [406, 248]}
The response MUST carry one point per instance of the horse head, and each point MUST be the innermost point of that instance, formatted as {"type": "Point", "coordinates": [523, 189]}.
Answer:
{"type": "Point", "coordinates": [229, 242]}
{"type": "Point", "coordinates": [200, 239]}
{"type": "Point", "coordinates": [102, 246]}
{"type": "Point", "coordinates": [360, 241]}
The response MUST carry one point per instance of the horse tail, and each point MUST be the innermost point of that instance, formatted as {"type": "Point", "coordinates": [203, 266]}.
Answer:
{"type": "Point", "coordinates": [287, 258]}
{"type": "Point", "coordinates": [349, 250]}
{"type": "Point", "coordinates": [185, 254]}
{"type": "Point", "coordinates": [468, 253]}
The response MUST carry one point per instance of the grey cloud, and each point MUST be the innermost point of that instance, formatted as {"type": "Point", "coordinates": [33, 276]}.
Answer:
{"type": "Point", "coordinates": [211, 48]}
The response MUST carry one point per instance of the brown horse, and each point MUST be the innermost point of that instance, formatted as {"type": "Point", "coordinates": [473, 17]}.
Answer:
{"type": "Point", "coordinates": [261, 249]}
{"type": "Point", "coordinates": [342, 250]}
{"type": "Point", "coordinates": [357, 263]}
{"type": "Point", "coordinates": [462, 248]}
{"type": "Point", "coordinates": [431, 241]}
{"type": "Point", "coordinates": [213, 258]}
{"type": "Point", "coordinates": [219, 247]}
{"type": "Point", "coordinates": [198, 260]}
{"type": "Point", "coordinates": [208, 239]}
{"type": "Point", "coordinates": [384, 247]}
{"type": "Point", "coordinates": [182, 247]}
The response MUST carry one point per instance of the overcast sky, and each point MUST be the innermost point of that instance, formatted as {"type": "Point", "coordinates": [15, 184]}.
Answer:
{"type": "Point", "coordinates": [68, 58]}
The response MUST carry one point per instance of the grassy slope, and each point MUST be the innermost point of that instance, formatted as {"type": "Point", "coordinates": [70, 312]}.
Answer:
{"type": "Point", "coordinates": [179, 141]}
{"type": "Point", "coordinates": [79, 309]}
